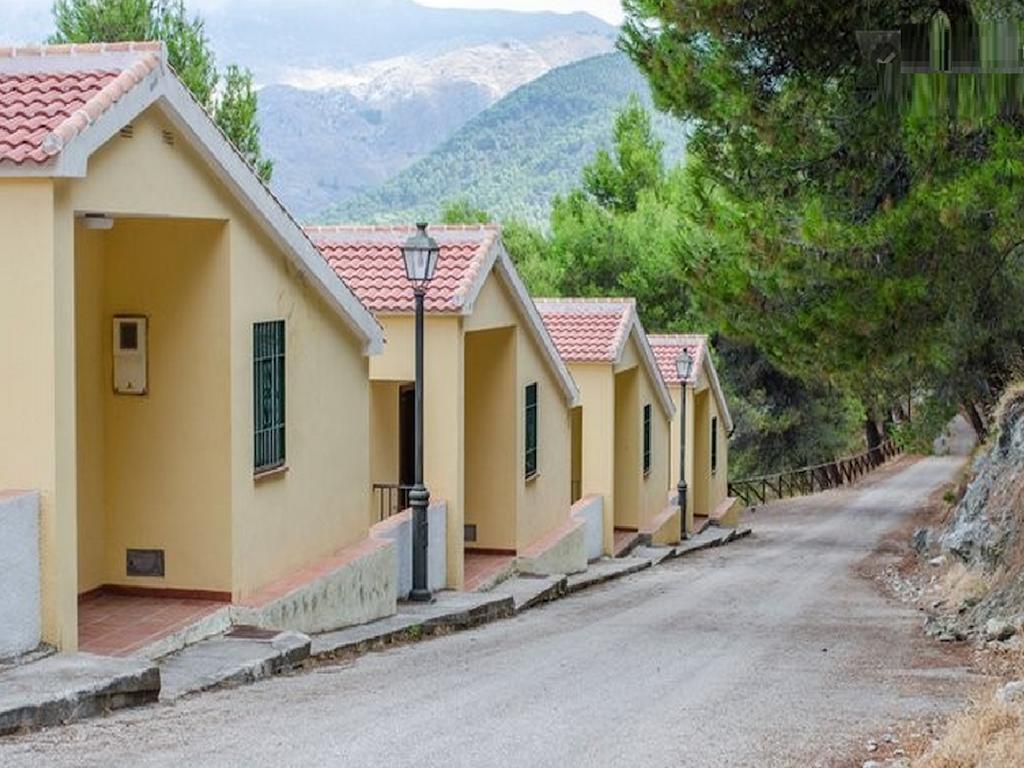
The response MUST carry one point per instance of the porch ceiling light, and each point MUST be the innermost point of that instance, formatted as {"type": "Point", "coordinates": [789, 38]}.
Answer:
{"type": "Point", "coordinates": [684, 365]}
{"type": "Point", "coordinates": [97, 221]}
{"type": "Point", "coordinates": [420, 253]}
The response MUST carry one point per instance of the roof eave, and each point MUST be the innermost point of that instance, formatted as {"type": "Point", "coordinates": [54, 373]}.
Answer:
{"type": "Point", "coordinates": [193, 121]}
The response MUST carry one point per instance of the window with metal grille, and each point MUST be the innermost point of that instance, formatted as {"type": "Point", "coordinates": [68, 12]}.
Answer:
{"type": "Point", "coordinates": [647, 439]}
{"type": "Point", "coordinates": [714, 444]}
{"type": "Point", "coordinates": [268, 395]}
{"type": "Point", "coordinates": [531, 430]}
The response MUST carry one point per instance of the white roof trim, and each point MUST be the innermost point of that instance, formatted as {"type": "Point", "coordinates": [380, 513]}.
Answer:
{"type": "Point", "coordinates": [498, 255]}
{"type": "Point", "coordinates": [636, 331]}
{"type": "Point", "coordinates": [716, 388]}
{"type": "Point", "coordinates": [161, 87]}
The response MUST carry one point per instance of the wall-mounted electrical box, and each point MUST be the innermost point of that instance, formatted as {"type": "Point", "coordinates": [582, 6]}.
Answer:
{"type": "Point", "coordinates": [130, 363]}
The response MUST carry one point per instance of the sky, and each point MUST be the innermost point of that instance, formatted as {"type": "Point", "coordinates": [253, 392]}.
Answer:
{"type": "Point", "coordinates": [609, 10]}
{"type": "Point", "coordinates": [22, 20]}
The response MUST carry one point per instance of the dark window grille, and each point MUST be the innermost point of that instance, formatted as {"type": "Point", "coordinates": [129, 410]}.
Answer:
{"type": "Point", "coordinates": [714, 444]}
{"type": "Point", "coordinates": [531, 430]}
{"type": "Point", "coordinates": [268, 395]}
{"type": "Point", "coordinates": [647, 439]}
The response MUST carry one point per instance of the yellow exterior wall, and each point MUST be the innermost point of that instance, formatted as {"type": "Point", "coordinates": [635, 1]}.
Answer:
{"type": "Point", "coordinates": [702, 453]}
{"type": "Point", "coordinates": [654, 488]}
{"type": "Point", "coordinates": [38, 406]}
{"type": "Point", "coordinates": [92, 347]}
{"type": "Point", "coordinates": [154, 469]}
{"type": "Point", "coordinates": [491, 426]}
{"type": "Point", "coordinates": [443, 440]}
{"type": "Point", "coordinates": [596, 383]}
{"type": "Point", "coordinates": [458, 388]}
{"type": "Point", "coordinates": [320, 504]}
{"type": "Point", "coordinates": [628, 458]}
{"type": "Point", "coordinates": [542, 502]}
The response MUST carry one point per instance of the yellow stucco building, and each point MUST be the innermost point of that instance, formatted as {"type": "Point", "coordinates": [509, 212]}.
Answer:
{"type": "Point", "coordinates": [622, 426]}
{"type": "Point", "coordinates": [185, 380]}
{"type": "Point", "coordinates": [498, 400]}
{"type": "Point", "coordinates": [708, 428]}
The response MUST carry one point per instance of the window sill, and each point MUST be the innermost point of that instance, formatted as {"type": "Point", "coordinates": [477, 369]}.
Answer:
{"type": "Point", "coordinates": [267, 474]}
{"type": "Point", "coordinates": [532, 478]}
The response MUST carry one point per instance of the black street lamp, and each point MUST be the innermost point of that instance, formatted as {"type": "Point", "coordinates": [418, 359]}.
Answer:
{"type": "Point", "coordinates": [684, 366]}
{"type": "Point", "coordinates": [420, 254]}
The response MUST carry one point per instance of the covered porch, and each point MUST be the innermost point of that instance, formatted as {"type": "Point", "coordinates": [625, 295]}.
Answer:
{"type": "Point", "coordinates": [153, 433]}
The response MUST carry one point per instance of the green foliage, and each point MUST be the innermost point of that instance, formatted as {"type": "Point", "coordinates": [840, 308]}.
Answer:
{"type": "Point", "coordinates": [928, 421]}
{"type": "Point", "coordinates": [235, 113]}
{"type": "Point", "coordinates": [232, 106]}
{"type": "Point", "coordinates": [462, 212]}
{"type": "Point", "coordinates": [628, 230]}
{"type": "Point", "coordinates": [514, 157]}
{"type": "Point", "coordinates": [873, 251]}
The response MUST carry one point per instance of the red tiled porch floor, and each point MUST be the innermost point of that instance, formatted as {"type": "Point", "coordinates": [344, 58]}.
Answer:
{"type": "Point", "coordinates": [119, 625]}
{"type": "Point", "coordinates": [478, 567]}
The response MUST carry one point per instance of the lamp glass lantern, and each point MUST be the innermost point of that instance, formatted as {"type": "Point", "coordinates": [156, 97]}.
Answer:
{"type": "Point", "coordinates": [420, 254]}
{"type": "Point", "coordinates": [684, 366]}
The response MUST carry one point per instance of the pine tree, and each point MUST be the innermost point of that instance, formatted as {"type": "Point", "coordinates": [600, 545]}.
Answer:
{"type": "Point", "coordinates": [229, 98]}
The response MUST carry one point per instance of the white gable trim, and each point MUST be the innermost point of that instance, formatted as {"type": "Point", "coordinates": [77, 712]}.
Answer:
{"type": "Point", "coordinates": [636, 331]}
{"type": "Point", "coordinates": [498, 256]}
{"type": "Point", "coordinates": [191, 120]}
{"type": "Point", "coordinates": [716, 388]}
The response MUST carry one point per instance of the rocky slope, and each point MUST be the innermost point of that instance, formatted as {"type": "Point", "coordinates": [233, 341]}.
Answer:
{"type": "Point", "coordinates": [986, 531]}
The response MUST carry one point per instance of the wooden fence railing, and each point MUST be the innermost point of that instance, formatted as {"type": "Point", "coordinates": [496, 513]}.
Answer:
{"type": "Point", "coordinates": [797, 482]}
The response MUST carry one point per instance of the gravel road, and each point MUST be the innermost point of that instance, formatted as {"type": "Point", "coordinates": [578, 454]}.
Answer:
{"type": "Point", "coordinates": [768, 652]}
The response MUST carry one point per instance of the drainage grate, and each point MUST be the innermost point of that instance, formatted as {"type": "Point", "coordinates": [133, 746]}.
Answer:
{"type": "Point", "coordinates": [245, 632]}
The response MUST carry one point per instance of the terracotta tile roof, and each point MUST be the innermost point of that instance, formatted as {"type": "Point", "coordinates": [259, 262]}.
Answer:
{"type": "Point", "coordinates": [668, 348]}
{"type": "Point", "coordinates": [369, 261]}
{"type": "Point", "coordinates": [587, 330]}
{"type": "Point", "coordinates": [50, 94]}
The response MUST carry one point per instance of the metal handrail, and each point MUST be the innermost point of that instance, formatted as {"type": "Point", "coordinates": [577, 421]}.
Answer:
{"type": "Point", "coordinates": [390, 499]}
{"type": "Point", "coordinates": [818, 477]}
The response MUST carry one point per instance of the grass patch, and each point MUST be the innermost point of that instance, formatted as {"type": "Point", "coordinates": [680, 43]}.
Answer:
{"type": "Point", "coordinates": [988, 735]}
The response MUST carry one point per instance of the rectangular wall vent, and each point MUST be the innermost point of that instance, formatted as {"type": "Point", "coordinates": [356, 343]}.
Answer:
{"type": "Point", "coordinates": [145, 562]}
{"type": "Point", "coordinates": [470, 533]}
{"type": "Point", "coordinates": [127, 132]}
{"type": "Point", "coordinates": [168, 138]}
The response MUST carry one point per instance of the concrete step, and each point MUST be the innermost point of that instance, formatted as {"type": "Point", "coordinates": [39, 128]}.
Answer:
{"type": "Point", "coordinates": [605, 569]}
{"type": "Point", "coordinates": [528, 591]}
{"type": "Point", "coordinates": [656, 555]}
{"type": "Point", "coordinates": [69, 687]}
{"type": "Point", "coordinates": [449, 611]}
{"type": "Point", "coordinates": [242, 655]}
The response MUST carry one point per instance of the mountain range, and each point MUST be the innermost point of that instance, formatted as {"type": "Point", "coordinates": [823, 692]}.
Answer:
{"type": "Point", "coordinates": [336, 133]}
{"type": "Point", "coordinates": [514, 157]}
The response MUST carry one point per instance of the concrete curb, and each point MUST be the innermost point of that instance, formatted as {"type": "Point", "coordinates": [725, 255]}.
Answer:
{"type": "Point", "coordinates": [449, 613]}
{"type": "Point", "coordinates": [529, 591]}
{"type": "Point", "coordinates": [226, 661]}
{"type": "Point", "coordinates": [69, 687]}
{"type": "Point", "coordinates": [604, 571]}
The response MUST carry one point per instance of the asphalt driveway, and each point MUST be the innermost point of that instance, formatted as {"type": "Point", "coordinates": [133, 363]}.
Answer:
{"type": "Point", "coordinates": [769, 652]}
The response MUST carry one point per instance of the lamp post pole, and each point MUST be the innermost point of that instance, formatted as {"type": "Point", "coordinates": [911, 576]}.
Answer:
{"type": "Point", "coordinates": [419, 496]}
{"type": "Point", "coordinates": [681, 488]}
{"type": "Point", "coordinates": [420, 253]}
{"type": "Point", "coordinates": [684, 367]}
